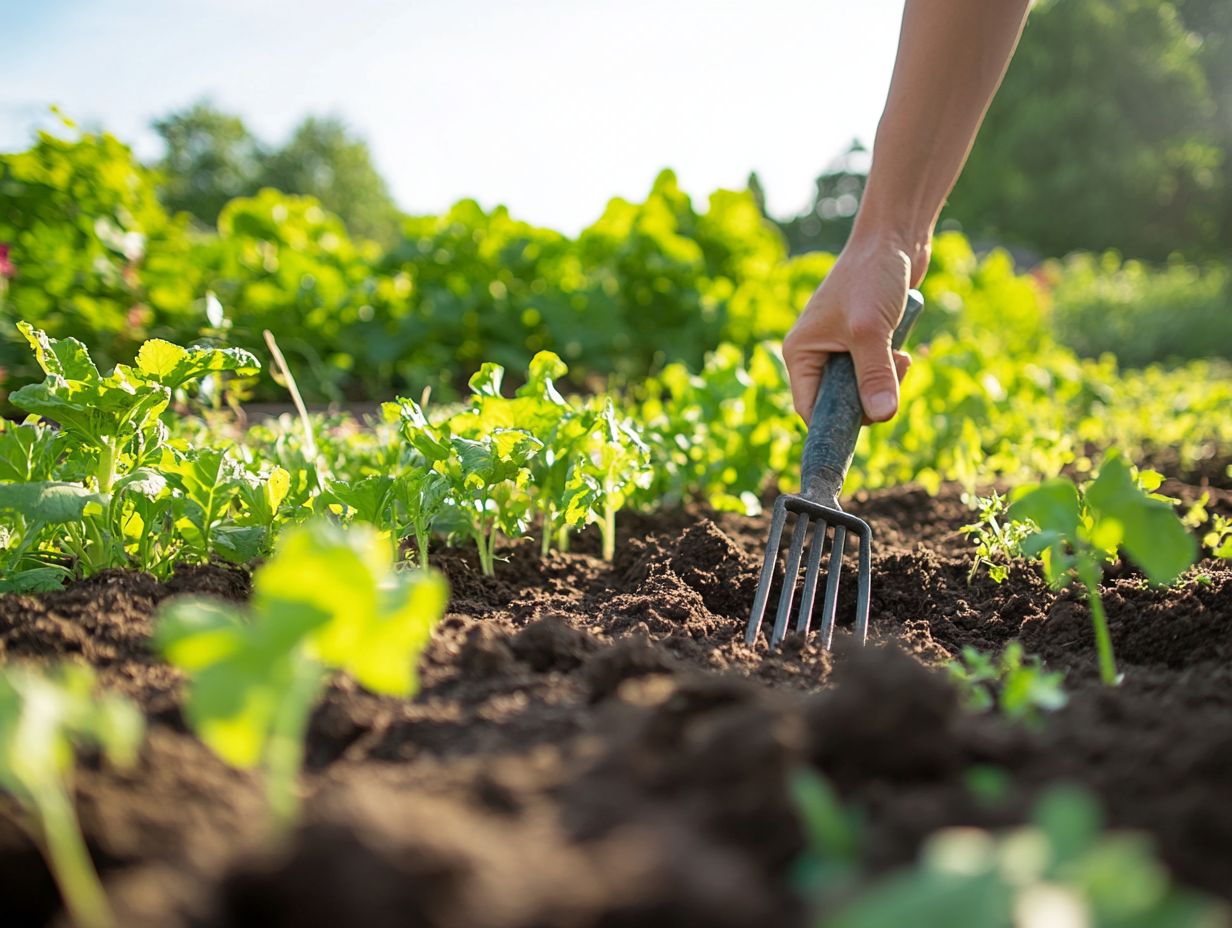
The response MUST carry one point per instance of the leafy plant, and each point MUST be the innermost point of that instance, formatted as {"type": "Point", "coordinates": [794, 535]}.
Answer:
{"type": "Point", "coordinates": [998, 539]}
{"type": "Point", "coordinates": [327, 600]}
{"type": "Point", "coordinates": [1014, 682]}
{"type": "Point", "coordinates": [613, 460]}
{"type": "Point", "coordinates": [1077, 532]}
{"type": "Point", "coordinates": [43, 717]}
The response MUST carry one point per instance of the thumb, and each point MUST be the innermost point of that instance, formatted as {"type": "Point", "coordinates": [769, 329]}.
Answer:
{"type": "Point", "coordinates": [878, 379]}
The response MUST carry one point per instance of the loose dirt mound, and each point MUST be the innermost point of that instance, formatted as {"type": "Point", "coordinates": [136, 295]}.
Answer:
{"type": "Point", "coordinates": [595, 745]}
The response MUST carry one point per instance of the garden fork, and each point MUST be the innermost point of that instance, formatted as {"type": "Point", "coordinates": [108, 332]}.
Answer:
{"type": "Point", "coordinates": [828, 448]}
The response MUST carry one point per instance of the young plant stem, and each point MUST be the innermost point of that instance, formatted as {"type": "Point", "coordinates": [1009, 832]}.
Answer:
{"type": "Point", "coordinates": [421, 542]}
{"type": "Point", "coordinates": [285, 754]}
{"type": "Point", "coordinates": [106, 466]}
{"type": "Point", "coordinates": [485, 537]}
{"type": "Point", "coordinates": [562, 538]}
{"type": "Point", "coordinates": [1089, 575]}
{"type": "Point", "coordinates": [609, 529]}
{"type": "Point", "coordinates": [69, 859]}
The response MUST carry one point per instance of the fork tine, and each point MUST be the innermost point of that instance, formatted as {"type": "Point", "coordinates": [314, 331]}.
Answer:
{"type": "Point", "coordinates": [830, 603]}
{"type": "Point", "coordinates": [777, 519]}
{"type": "Point", "coordinates": [789, 579]}
{"type": "Point", "coordinates": [810, 577]}
{"type": "Point", "coordinates": [863, 583]}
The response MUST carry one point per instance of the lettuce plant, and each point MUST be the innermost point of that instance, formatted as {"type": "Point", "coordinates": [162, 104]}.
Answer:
{"type": "Point", "coordinates": [486, 479]}
{"type": "Point", "coordinates": [611, 462]}
{"type": "Point", "coordinates": [43, 716]}
{"type": "Point", "coordinates": [328, 600]}
{"type": "Point", "coordinates": [1077, 531]}
{"type": "Point", "coordinates": [117, 413]}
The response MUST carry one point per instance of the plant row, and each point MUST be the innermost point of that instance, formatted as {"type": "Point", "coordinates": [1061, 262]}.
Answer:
{"type": "Point", "coordinates": [87, 250]}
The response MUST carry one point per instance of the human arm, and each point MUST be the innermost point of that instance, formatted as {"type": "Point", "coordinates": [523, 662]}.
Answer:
{"type": "Point", "coordinates": [952, 55]}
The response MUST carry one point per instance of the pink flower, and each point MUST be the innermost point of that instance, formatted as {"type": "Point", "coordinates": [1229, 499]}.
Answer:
{"type": "Point", "coordinates": [7, 268]}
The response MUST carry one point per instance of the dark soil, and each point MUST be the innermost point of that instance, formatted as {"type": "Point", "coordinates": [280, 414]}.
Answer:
{"type": "Point", "coordinates": [594, 745]}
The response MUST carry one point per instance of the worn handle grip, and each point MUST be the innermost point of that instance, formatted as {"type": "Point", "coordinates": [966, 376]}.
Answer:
{"type": "Point", "coordinates": [837, 416]}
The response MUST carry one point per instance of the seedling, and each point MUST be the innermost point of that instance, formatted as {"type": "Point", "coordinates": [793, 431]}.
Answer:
{"type": "Point", "coordinates": [1077, 532]}
{"type": "Point", "coordinates": [1014, 682]}
{"type": "Point", "coordinates": [998, 539]}
{"type": "Point", "coordinates": [1063, 868]}
{"type": "Point", "coordinates": [613, 460]}
{"type": "Point", "coordinates": [327, 600]}
{"type": "Point", "coordinates": [43, 717]}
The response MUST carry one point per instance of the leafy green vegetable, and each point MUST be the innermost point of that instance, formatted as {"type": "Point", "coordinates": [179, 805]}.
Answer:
{"type": "Point", "coordinates": [328, 600]}
{"type": "Point", "coordinates": [1076, 532]}
{"type": "Point", "coordinates": [43, 716]}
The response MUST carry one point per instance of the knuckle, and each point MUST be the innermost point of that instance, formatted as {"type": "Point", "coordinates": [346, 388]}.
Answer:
{"type": "Point", "coordinates": [866, 328]}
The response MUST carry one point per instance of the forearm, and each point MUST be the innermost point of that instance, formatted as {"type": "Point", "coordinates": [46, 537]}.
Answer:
{"type": "Point", "coordinates": [952, 55]}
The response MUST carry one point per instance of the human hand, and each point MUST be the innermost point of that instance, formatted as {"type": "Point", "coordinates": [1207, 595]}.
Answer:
{"type": "Point", "coordinates": [855, 309]}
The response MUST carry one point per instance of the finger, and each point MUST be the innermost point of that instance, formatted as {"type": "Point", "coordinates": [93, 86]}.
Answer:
{"type": "Point", "coordinates": [902, 364]}
{"type": "Point", "coordinates": [805, 377]}
{"type": "Point", "coordinates": [877, 375]}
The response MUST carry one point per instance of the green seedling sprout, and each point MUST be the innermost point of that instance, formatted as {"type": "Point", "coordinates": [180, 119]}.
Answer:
{"type": "Point", "coordinates": [997, 538]}
{"type": "Point", "coordinates": [613, 461]}
{"type": "Point", "coordinates": [1077, 532]}
{"type": "Point", "coordinates": [43, 717]}
{"type": "Point", "coordinates": [1061, 867]}
{"type": "Point", "coordinates": [328, 600]}
{"type": "Point", "coordinates": [1013, 682]}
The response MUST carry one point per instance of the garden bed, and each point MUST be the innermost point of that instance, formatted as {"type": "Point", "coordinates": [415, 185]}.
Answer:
{"type": "Point", "coordinates": [595, 745]}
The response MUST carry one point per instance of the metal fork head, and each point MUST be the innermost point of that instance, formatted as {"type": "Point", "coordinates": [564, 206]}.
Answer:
{"type": "Point", "coordinates": [820, 518]}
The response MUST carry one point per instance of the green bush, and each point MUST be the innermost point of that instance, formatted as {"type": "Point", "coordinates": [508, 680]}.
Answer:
{"type": "Point", "coordinates": [1142, 314]}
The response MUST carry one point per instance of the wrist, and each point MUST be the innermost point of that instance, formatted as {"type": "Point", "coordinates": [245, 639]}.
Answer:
{"type": "Point", "coordinates": [914, 244]}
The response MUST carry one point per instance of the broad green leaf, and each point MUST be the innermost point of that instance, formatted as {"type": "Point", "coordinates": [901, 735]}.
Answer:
{"type": "Point", "coordinates": [1150, 530]}
{"type": "Point", "coordinates": [146, 481]}
{"type": "Point", "coordinates": [487, 380]}
{"type": "Point", "coordinates": [385, 661]}
{"type": "Point", "coordinates": [174, 366]}
{"type": "Point", "coordinates": [158, 358]}
{"type": "Point", "coordinates": [194, 633]}
{"type": "Point", "coordinates": [48, 501]}
{"type": "Point", "coordinates": [1053, 506]}
{"type": "Point", "coordinates": [239, 544]}
{"type": "Point", "coordinates": [67, 357]}
{"type": "Point", "coordinates": [34, 580]}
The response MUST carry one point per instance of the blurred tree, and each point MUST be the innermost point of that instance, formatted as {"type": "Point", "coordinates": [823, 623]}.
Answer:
{"type": "Point", "coordinates": [324, 161]}
{"type": "Point", "coordinates": [1211, 22]}
{"type": "Point", "coordinates": [757, 190]}
{"type": "Point", "coordinates": [211, 159]}
{"type": "Point", "coordinates": [1105, 133]}
{"type": "Point", "coordinates": [825, 225]}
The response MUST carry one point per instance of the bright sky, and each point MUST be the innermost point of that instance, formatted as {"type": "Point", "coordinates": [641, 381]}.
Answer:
{"type": "Point", "coordinates": [548, 106]}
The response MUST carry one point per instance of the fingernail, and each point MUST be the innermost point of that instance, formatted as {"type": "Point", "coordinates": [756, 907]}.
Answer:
{"type": "Point", "coordinates": [881, 406]}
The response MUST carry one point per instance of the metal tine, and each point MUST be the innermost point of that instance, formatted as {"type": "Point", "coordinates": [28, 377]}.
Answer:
{"type": "Point", "coordinates": [788, 594]}
{"type": "Point", "coordinates": [777, 520]}
{"type": "Point", "coordinates": [811, 573]}
{"type": "Point", "coordinates": [830, 603]}
{"type": "Point", "coordinates": [863, 583]}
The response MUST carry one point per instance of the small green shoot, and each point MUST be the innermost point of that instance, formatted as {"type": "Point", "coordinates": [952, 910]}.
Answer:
{"type": "Point", "coordinates": [1063, 868]}
{"type": "Point", "coordinates": [1077, 532]}
{"type": "Point", "coordinates": [998, 539]}
{"type": "Point", "coordinates": [43, 717]}
{"type": "Point", "coordinates": [1015, 683]}
{"type": "Point", "coordinates": [328, 600]}
{"type": "Point", "coordinates": [834, 848]}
